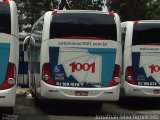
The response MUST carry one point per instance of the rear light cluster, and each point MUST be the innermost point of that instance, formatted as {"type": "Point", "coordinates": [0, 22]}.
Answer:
{"type": "Point", "coordinates": [46, 74]}
{"type": "Point", "coordinates": [5, 1]}
{"type": "Point", "coordinates": [111, 14]}
{"type": "Point", "coordinates": [129, 76]}
{"type": "Point", "coordinates": [10, 79]}
{"type": "Point", "coordinates": [54, 12]}
{"type": "Point", "coordinates": [136, 21]}
{"type": "Point", "coordinates": [115, 77]}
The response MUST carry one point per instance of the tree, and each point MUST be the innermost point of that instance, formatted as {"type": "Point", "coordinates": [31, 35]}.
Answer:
{"type": "Point", "coordinates": [29, 11]}
{"type": "Point", "coordinates": [81, 4]}
{"type": "Point", "coordinates": [63, 4]}
{"type": "Point", "coordinates": [55, 4]}
{"type": "Point", "coordinates": [137, 9]}
{"type": "Point", "coordinates": [130, 9]}
{"type": "Point", "coordinates": [21, 13]}
{"type": "Point", "coordinates": [153, 9]}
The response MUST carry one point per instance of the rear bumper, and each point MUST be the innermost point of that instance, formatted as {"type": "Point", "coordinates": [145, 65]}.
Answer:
{"type": "Point", "coordinates": [140, 91]}
{"type": "Point", "coordinates": [68, 93]}
{"type": "Point", "coordinates": [7, 97]}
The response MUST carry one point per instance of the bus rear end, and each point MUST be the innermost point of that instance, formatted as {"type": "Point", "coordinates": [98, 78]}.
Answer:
{"type": "Point", "coordinates": [83, 60]}
{"type": "Point", "coordinates": [142, 59]}
{"type": "Point", "coordinates": [8, 58]}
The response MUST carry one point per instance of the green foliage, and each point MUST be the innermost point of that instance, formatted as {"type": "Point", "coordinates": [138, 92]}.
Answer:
{"type": "Point", "coordinates": [80, 4]}
{"type": "Point", "coordinates": [137, 9]}
{"type": "Point", "coordinates": [153, 7]}
{"type": "Point", "coordinates": [31, 10]}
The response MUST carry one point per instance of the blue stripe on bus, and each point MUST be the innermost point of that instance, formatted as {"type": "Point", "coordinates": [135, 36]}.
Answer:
{"type": "Point", "coordinates": [54, 54]}
{"type": "Point", "coordinates": [108, 62]}
{"type": "Point", "coordinates": [4, 58]}
{"type": "Point", "coordinates": [23, 68]}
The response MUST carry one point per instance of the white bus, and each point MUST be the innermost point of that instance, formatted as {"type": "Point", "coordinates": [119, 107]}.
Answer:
{"type": "Point", "coordinates": [23, 80]}
{"type": "Point", "coordinates": [76, 55]}
{"type": "Point", "coordinates": [9, 53]}
{"type": "Point", "coordinates": [141, 58]}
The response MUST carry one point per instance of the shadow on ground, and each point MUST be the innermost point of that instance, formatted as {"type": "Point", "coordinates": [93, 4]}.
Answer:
{"type": "Point", "coordinates": [139, 103]}
{"type": "Point", "coordinates": [76, 108]}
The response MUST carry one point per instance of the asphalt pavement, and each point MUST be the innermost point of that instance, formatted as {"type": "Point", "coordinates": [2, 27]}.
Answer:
{"type": "Point", "coordinates": [124, 109]}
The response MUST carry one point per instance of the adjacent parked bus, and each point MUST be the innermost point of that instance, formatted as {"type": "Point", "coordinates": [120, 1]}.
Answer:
{"type": "Point", "coordinates": [75, 55]}
{"type": "Point", "coordinates": [141, 58]}
{"type": "Point", "coordinates": [9, 53]}
{"type": "Point", "coordinates": [23, 80]}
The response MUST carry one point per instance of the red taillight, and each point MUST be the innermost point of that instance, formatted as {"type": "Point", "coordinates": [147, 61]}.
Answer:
{"type": "Point", "coordinates": [6, 1]}
{"type": "Point", "coordinates": [54, 12]}
{"type": "Point", "coordinates": [115, 77]}
{"type": "Point", "coordinates": [129, 76]}
{"type": "Point", "coordinates": [136, 21]}
{"type": "Point", "coordinates": [111, 14]}
{"type": "Point", "coordinates": [10, 79]}
{"type": "Point", "coordinates": [46, 74]}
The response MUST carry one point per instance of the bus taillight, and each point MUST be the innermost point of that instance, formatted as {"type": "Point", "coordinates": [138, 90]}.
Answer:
{"type": "Point", "coordinates": [10, 79]}
{"type": "Point", "coordinates": [54, 12]}
{"type": "Point", "coordinates": [6, 1]}
{"type": "Point", "coordinates": [46, 74]}
{"type": "Point", "coordinates": [115, 77]}
{"type": "Point", "coordinates": [111, 14]}
{"type": "Point", "coordinates": [136, 21]}
{"type": "Point", "coordinates": [129, 76]}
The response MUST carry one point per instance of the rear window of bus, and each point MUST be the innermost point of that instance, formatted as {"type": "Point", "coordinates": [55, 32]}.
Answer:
{"type": "Point", "coordinates": [5, 18]}
{"type": "Point", "coordinates": [84, 25]}
{"type": "Point", "coordinates": [146, 33]}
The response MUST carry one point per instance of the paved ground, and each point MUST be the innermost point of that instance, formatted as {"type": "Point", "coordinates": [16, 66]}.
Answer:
{"type": "Point", "coordinates": [133, 108]}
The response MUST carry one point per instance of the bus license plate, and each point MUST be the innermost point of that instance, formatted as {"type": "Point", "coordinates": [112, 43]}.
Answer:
{"type": "Point", "coordinates": [157, 91]}
{"type": "Point", "coordinates": [81, 93]}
